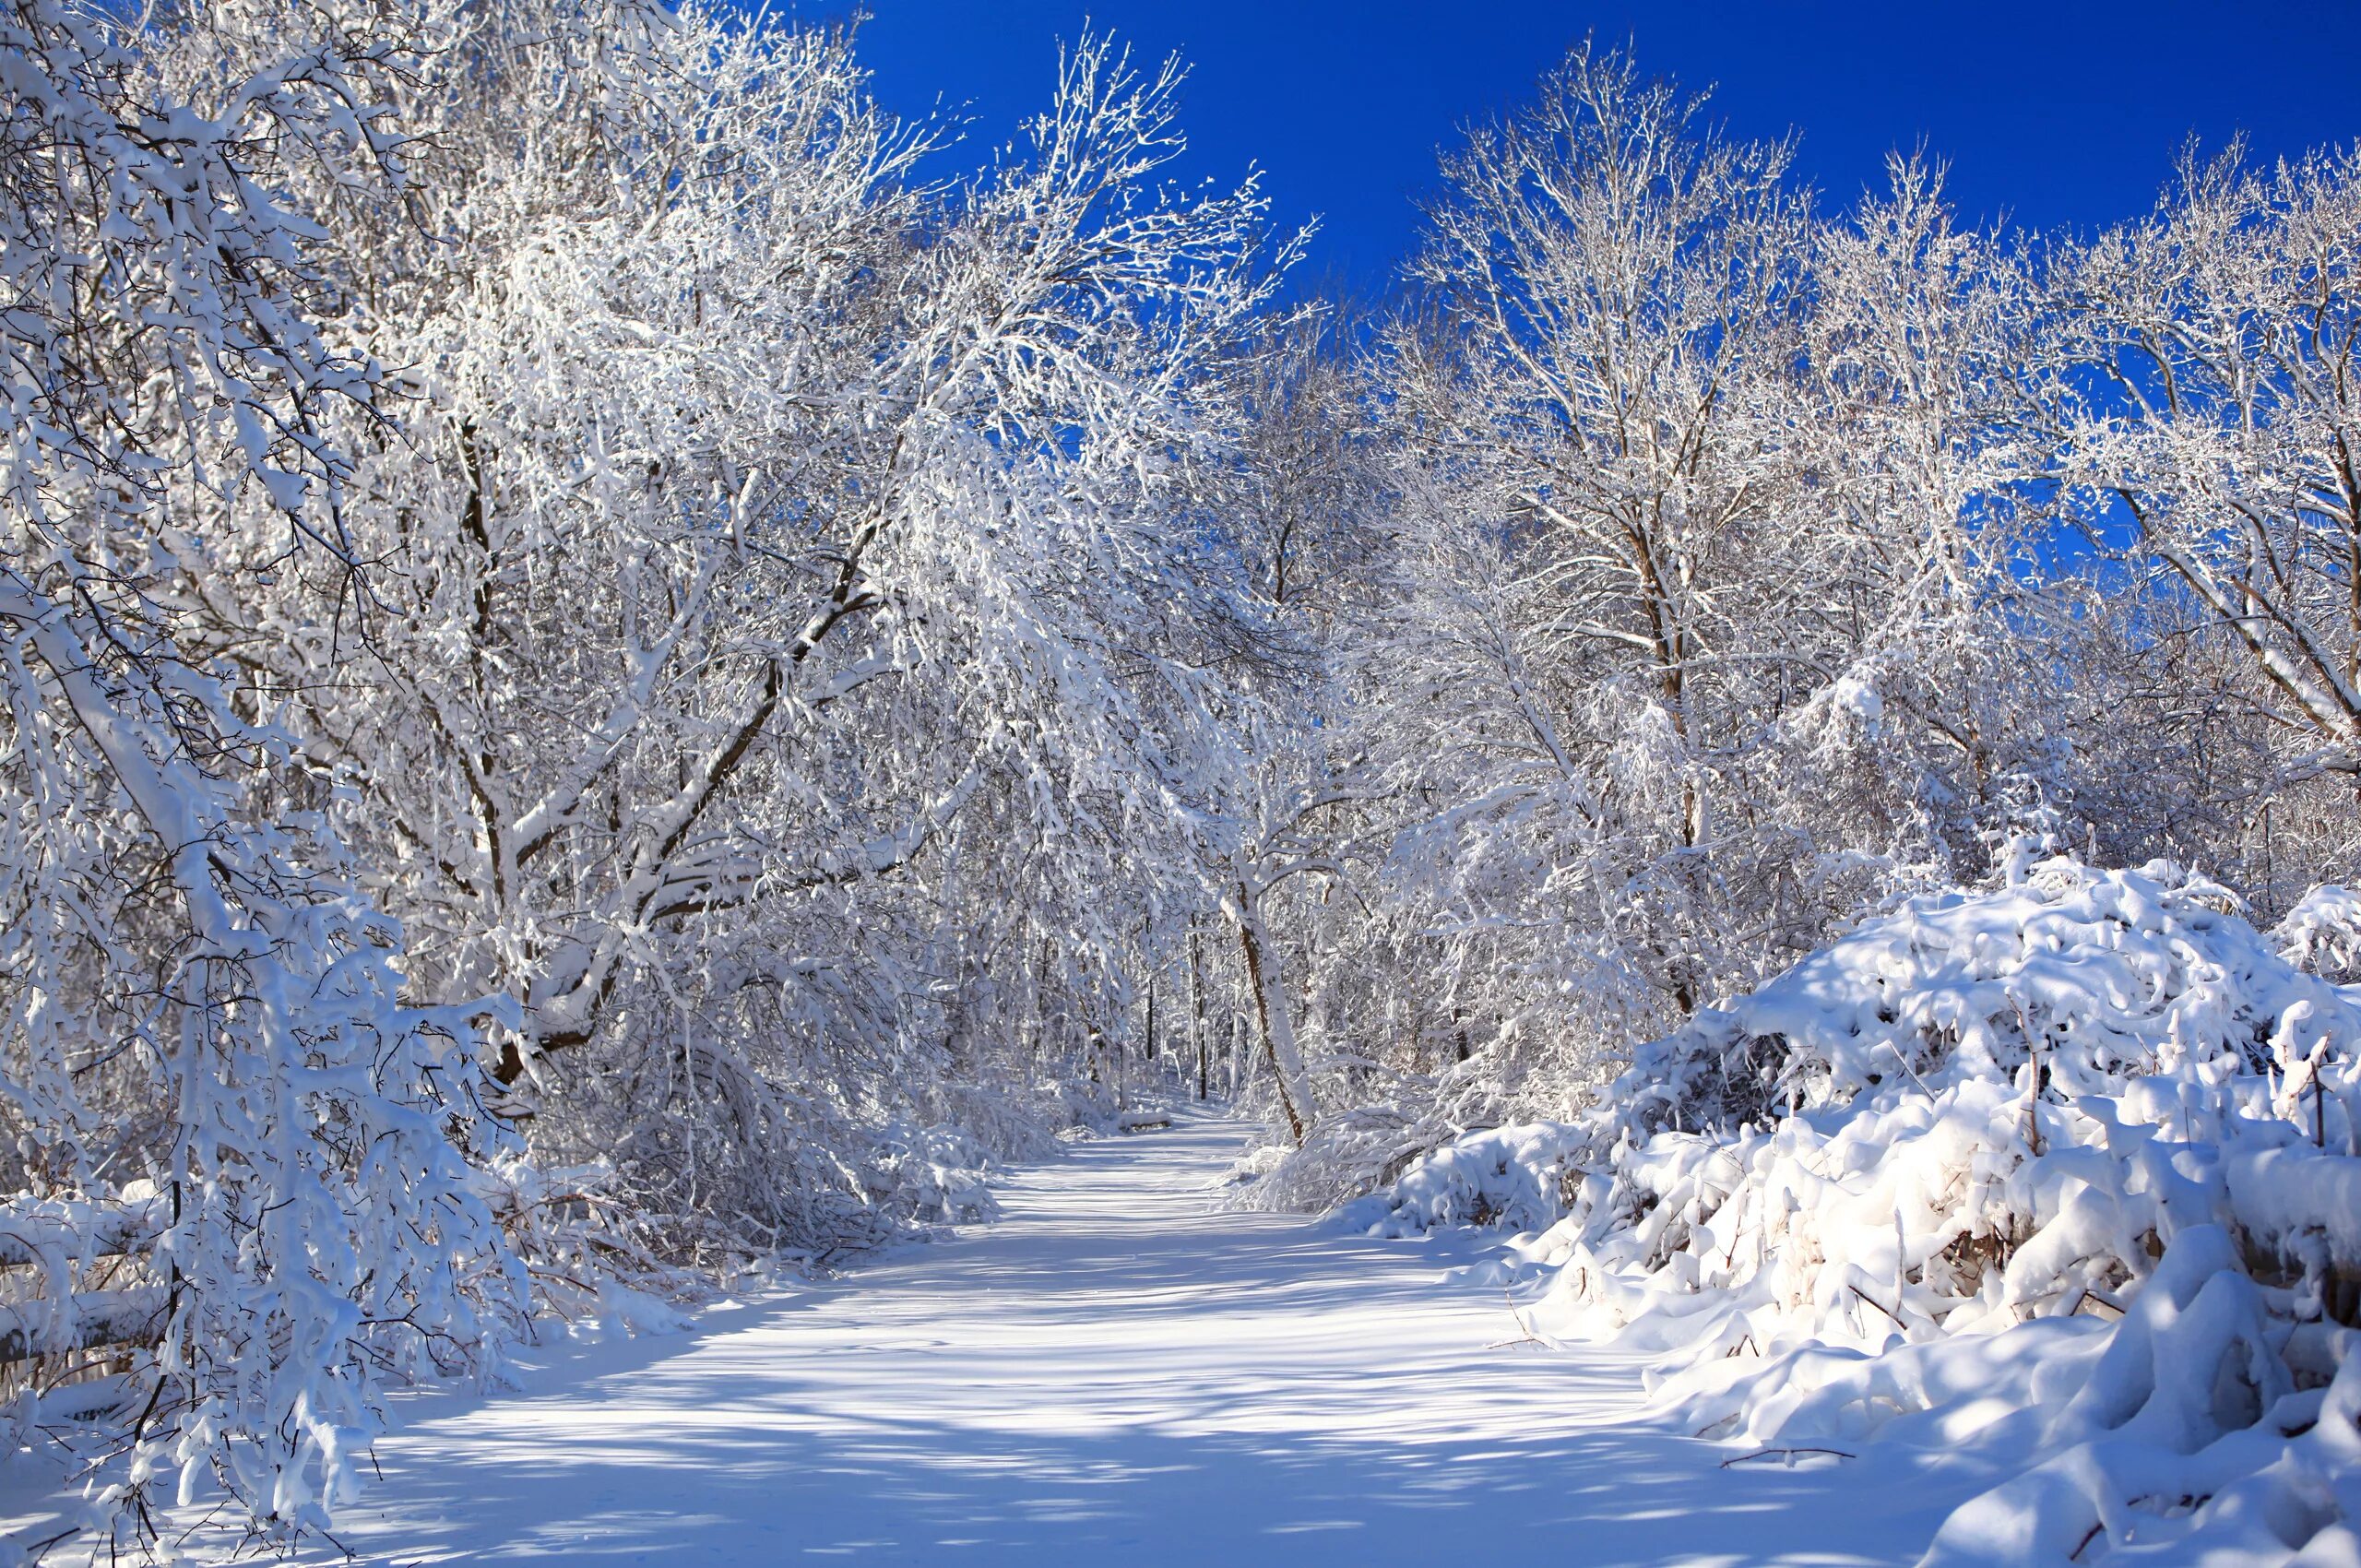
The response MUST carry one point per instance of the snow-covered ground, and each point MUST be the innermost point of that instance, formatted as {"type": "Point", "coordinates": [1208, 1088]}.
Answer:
{"type": "Point", "coordinates": [1118, 1373]}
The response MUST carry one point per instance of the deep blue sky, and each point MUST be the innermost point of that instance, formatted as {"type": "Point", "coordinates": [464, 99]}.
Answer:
{"type": "Point", "coordinates": [2060, 113]}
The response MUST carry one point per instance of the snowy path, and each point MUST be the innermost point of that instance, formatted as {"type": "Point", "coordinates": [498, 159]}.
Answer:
{"type": "Point", "coordinates": [1114, 1373]}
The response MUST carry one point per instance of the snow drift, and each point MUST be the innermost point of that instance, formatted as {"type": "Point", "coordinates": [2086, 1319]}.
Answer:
{"type": "Point", "coordinates": [2062, 1174]}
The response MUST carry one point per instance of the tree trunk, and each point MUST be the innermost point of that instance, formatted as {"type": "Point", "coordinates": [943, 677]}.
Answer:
{"type": "Point", "coordinates": [1263, 975]}
{"type": "Point", "coordinates": [1197, 1005]}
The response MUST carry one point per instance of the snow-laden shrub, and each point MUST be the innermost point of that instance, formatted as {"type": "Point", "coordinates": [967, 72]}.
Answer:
{"type": "Point", "coordinates": [2322, 933]}
{"type": "Point", "coordinates": [595, 1252]}
{"type": "Point", "coordinates": [1510, 1177]}
{"type": "Point", "coordinates": [1017, 1120]}
{"type": "Point", "coordinates": [930, 1176]}
{"type": "Point", "coordinates": [1345, 1153]}
{"type": "Point", "coordinates": [2065, 1172]}
{"type": "Point", "coordinates": [591, 1253]}
{"type": "Point", "coordinates": [1354, 1150]}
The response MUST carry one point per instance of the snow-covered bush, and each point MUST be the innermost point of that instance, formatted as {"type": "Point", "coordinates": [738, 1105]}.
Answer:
{"type": "Point", "coordinates": [2065, 1169]}
{"type": "Point", "coordinates": [930, 1176]}
{"type": "Point", "coordinates": [590, 1252]}
{"type": "Point", "coordinates": [1512, 1177]}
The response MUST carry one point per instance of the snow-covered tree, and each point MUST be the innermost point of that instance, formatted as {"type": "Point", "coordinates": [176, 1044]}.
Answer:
{"type": "Point", "coordinates": [789, 621]}
{"type": "Point", "coordinates": [2201, 397]}
{"type": "Point", "coordinates": [236, 1149]}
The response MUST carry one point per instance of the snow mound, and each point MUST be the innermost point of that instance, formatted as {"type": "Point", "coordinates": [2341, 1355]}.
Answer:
{"type": "Point", "coordinates": [2063, 1173]}
{"type": "Point", "coordinates": [1509, 1177]}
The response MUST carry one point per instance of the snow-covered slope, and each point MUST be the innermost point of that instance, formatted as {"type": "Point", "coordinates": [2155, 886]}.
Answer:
{"type": "Point", "coordinates": [2063, 1173]}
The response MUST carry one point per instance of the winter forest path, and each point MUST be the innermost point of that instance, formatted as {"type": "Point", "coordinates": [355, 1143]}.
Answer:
{"type": "Point", "coordinates": [1115, 1373]}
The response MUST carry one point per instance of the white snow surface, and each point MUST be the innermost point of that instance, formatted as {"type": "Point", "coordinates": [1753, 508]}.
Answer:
{"type": "Point", "coordinates": [2065, 1173]}
{"type": "Point", "coordinates": [1119, 1370]}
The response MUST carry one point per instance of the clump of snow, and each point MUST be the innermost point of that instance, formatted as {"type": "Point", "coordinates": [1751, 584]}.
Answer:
{"type": "Point", "coordinates": [2322, 932]}
{"type": "Point", "coordinates": [1855, 695]}
{"type": "Point", "coordinates": [1510, 1177]}
{"type": "Point", "coordinates": [2064, 1173]}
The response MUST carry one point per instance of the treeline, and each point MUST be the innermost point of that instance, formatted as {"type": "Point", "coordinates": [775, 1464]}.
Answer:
{"type": "Point", "coordinates": [607, 672]}
{"type": "Point", "coordinates": [1722, 567]}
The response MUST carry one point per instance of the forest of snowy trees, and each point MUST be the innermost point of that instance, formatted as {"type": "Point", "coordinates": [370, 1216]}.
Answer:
{"type": "Point", "coordinates": [613, 678]}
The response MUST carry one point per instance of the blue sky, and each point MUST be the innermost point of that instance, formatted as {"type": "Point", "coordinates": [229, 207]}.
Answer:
{"type": "Point", "coordinates": [2062, 114]}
